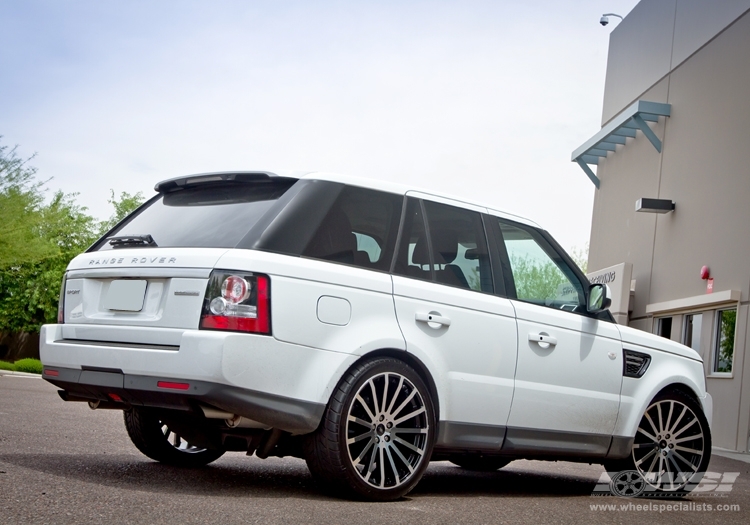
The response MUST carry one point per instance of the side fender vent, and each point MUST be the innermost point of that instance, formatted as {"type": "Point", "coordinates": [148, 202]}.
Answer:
{"type": "Point", "coordinates": [635, 364]}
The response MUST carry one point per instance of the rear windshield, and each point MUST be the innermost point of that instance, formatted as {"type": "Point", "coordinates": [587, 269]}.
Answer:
{"type": "Point", "coordinates": [215, 216]}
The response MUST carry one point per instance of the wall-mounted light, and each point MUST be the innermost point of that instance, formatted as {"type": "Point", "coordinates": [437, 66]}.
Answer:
{"type": "Point", "coordinates": [654, 205]}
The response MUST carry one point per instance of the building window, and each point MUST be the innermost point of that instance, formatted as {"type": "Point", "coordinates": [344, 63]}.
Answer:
{"type": "Point", "coordinates": [691, 332]}
{"type": "Point", "coordinates": [724, 341]}
{"type": "Point", "coordinates": [663, 327]}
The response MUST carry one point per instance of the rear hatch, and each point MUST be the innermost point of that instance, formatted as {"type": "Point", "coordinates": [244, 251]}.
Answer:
{"type": "Point", "coordinates": [152, 269]}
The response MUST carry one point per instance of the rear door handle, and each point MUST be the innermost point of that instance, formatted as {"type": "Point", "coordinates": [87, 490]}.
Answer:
{"type": "Point", "coordinates": [543, 338]}
{"type": "Point", "coordinates": [432, 318]}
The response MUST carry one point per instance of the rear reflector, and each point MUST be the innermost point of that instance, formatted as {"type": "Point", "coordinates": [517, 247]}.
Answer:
{"type": "Point", "coordinates": [173, 386]}
{"type": "Point", "coordinates": [220, 322]}
{"type": "Point", "coordinates": [50, 372]}
{"type": "Point", "coordinates": [115, 397]}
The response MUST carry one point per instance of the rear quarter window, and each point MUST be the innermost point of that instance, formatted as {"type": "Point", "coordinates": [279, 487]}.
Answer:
{"type": "Point", "coordinates": [359, 229]}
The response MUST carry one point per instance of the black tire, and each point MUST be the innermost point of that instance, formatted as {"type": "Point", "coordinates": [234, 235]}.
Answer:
{"type": "Point", "coordinates": [152, 437]}
{"type": "Point", "coordinates": [480, 463]}
{"type": "Point", "coordinates": [672, 432]}
{"type": "Point", "coordinates": [367, 447]}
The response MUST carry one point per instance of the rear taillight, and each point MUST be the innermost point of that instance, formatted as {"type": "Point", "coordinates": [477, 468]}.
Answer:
{"type": "Point", "coordinates": [237, 301]}
{"type": "Point", "coordinates": [61, 302]}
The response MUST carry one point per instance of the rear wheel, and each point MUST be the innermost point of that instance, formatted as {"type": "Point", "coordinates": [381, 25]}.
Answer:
{"type": "Point", "coordinates": [156, 440]}
{"type": "Point", "coordinates": [672, 446]}
{"type": "Point", "coordinates": [376, 436]}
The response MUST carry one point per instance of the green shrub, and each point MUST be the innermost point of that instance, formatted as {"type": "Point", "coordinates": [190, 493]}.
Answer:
{"type": "Point", "coordinates": [4, 365]}
{"type": "Point", "coordinates": [32, 366]}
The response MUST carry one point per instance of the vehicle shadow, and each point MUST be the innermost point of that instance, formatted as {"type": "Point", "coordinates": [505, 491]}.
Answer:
{"type": "Point", "coordinates": [243, 477]}
{"type": "Point", "coordinates": [443, 479]}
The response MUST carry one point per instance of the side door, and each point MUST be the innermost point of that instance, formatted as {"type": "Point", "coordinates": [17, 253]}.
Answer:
{"type": "Point", "coordinates": [451, 319]}
{"type": "Point", "coordinates": [569, 371]}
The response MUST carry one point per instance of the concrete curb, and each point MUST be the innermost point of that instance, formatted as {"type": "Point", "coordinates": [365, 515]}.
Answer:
{"type": "Point", "coordinates": [731, 454]}
{"type": "Point", "coordinates": [19, 374]}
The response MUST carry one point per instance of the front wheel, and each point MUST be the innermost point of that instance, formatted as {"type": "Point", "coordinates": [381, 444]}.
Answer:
{"type": "Point", "coordinates": [672, 446]}
{"type": "Point", "coordinates": [376, 436]}
{"type": "Point", "coordinates": [156, 440]}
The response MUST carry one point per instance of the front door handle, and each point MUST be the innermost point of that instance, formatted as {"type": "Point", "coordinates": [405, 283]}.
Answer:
{"type": "Point", "coordinates": [432, 318]}
{"type": "Point", "coordinates": [543, 338]}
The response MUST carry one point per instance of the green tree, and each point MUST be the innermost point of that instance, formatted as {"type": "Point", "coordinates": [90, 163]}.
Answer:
{"type": "Point", "coordinates": [29, 289]}
{"type": "Point", "coordinates": [534, 280]}
{"type": "Point", "coordinates": [38, 240]}
{"type": "Point", "coordinates": [126, 203]}
{"type": "Point", "coordinates": [580, 256]}
{"type": "Point", "coordinates": [68, 226]}
{"type": "Point", "coordinates": [727, 324]}
{"type": "Point", "coordinates": [21, 202]}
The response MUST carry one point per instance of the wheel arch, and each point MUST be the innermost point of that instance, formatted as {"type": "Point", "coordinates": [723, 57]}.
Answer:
{"type": "Point", "coordinates": [679, 387]}
{"type": "Point", "coordinates": [414, 362]}
{"type": "Point", "coordinates": [666, 372]}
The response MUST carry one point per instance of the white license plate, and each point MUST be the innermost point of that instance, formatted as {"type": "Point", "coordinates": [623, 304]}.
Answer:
{"type": "Point", "coordinates": [125, 295]}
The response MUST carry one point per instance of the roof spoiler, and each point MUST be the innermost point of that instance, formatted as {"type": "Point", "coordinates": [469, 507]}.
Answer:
{"type": "Point", "coordinates": [178, 183]}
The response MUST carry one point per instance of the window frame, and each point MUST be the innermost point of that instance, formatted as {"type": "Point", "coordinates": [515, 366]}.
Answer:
{"type": "Point", "coordinates": [414, 201]}
{"type": "Point", "coordinates": [685, 325]}
{"type": "Point", "coordinates": [716, 343]}
{"type": "Point", "coordinates": [419, 201]}
{"type": "Point", "coordinates": [658, 321]}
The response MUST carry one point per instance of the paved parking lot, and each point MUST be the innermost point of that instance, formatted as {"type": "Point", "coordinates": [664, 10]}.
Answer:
{"type": "Point", "coordinates": [64, 463]}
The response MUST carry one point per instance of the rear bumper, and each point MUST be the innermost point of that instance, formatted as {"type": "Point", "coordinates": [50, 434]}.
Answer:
{"type": "Point", "coordinates": [292, 415]}
{"type": "Point", "coordinates": [279, 384]}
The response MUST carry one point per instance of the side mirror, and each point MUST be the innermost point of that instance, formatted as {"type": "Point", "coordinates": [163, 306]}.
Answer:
{"type": "Point", "coordinates": [599, 298]}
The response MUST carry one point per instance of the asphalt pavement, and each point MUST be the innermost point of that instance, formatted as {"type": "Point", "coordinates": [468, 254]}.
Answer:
{"type": "Point", "coordinates": [63, 463]}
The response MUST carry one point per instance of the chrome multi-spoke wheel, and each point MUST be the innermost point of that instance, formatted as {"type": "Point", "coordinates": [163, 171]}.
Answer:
{"type": "Point", "coordinates": [672, 446]}
{"type": "Point", "coordinates": [177, 442]}
{"type": "Point", "coordinates": [669, 445]}
{"type": "Point", "coordinates": [377, 433]}
{"type": "Point", "coordinates": [154, 438]}
{"type": "Point", "coordinates": [386, 429]}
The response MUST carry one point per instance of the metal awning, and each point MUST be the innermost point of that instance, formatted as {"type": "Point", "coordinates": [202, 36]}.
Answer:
{"type": "Point", "coordinates": [624, 125]}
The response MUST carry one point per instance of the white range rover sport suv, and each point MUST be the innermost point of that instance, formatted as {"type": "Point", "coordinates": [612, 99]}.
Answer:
{"type": "Point", "coordinates": [368, 328]}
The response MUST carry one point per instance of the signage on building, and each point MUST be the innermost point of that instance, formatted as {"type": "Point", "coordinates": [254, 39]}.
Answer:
{"type": "Point", "coordinates": [618, 279]}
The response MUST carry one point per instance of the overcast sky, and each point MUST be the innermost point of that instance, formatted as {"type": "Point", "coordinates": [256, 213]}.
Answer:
{"type": "Point", "coordinates": [483, 100]}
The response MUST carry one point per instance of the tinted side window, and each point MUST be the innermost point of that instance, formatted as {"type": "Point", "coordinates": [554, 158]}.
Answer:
{"type": "Point", "coordinates": [539, 274]}
{"type": "Point", "coordinates": [459, 247]}
{"type": "Point", "coordinates": [359, 229]}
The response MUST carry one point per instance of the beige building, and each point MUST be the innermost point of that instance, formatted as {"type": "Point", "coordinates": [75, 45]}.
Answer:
{"type": "Point", "coordinates": [676, 127]}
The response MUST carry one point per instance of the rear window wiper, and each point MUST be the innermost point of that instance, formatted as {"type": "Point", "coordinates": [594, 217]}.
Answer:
{"type": "Point", "coordinates": [128, 241]}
